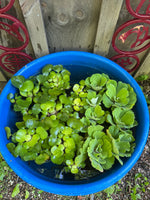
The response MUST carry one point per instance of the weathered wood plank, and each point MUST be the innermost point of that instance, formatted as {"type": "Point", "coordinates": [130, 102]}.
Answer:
{"type": "Point", "coordinates": [31, 10]}
{"type": "Point", "coordinates": [109, 14]}
{"type": "Point", "coordinates": [70, 24]}
{"type": "Point", "coordinates": [2, 78]}
{"type": "Point", "coordinates": [145, 67]}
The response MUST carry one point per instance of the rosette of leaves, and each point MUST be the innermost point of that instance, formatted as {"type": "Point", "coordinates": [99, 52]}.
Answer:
{"type": "Point", "coordinates": [122, 117]}
{"type": "Point", "coordinates": [123, 142]}
{"type": "Point", "coordinates": [58, 79]}
{"type": "Point", "coordinates": [82, 155]}
{"type": "Point", "coordinates": [95, 114]}
{"type": "Point", "coordinates": [119, 95]}
{"type": "Point", "coordinates": [93, 99]}
{"type": "Point", "coordinates": [97, 81]}
{"type": "Point", "coordinates": [100, 149]}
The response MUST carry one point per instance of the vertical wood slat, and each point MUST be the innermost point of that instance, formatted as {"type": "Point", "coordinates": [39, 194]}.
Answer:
{"type": "Point", "coordinates": [145, 66]}
{"type": "Point", "coordinates": [2, 78]}
{"type": "Point", "coordinates": [31, 10]}
{"type": "Point", "coordinates": [70, 24]}
{"type": "Point", "coordinates": [109, 14]}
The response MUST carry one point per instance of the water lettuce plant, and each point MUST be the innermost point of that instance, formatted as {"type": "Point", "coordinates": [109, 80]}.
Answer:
{"type": "Point", "coordinates": [86, 124]}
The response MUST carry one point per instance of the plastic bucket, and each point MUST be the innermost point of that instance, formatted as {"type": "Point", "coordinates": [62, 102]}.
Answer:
{"type": "Point", "coordinates": [81, 65]}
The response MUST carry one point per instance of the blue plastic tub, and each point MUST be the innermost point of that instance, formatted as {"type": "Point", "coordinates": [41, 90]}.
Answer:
{"type": "Point", "coordinates": [81, 65]}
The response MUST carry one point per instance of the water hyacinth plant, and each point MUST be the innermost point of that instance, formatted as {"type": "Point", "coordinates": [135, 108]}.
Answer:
{"type": "Point", "coordinates": [72, 125]}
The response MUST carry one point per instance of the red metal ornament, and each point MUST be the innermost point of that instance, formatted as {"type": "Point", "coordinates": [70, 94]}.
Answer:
{"type": "Point", "coordinates": [13, 61]}
{"type": "Point", "coordinates": [142, 30]}
{"type": "Point", "coordinates": [135, 12]}
{"type": "Point", "coordinates": [14, 30]}
{"type": "Point", "coordinates": [125, 61]}
{"type": "Point", "coordinates": [7, 7]}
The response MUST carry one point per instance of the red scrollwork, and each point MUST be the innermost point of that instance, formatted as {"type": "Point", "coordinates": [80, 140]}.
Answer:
{"type": "Point", "coordinates": [141, 28]}
{"type": "Point", "coordinates": [136, 13]}
{"type": "Point", "coordinates": [13, 61]}
{"type": "Point", "coordinates": [13, 29]}
{"type": "Point", "coordinates": [7, 7]}
{"type": "Point", "coordinates": [125, 61]}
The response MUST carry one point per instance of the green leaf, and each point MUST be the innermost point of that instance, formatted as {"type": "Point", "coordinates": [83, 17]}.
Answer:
{"type": "Point", "coordinates": [47, 69]}
{"type": "Point", "coordinates": [114, 131]}
{"type": "Point", "coordinates": [128, 118]}
{"type": "Point", "coordinates": [67, 131]}
{"type": "Point", "coordinates": [41, 78]}
{"type": "Point", "coordinates": [27, 86]}
{"type": "Point", "coordinates": [123, 93]}
{"type": "Point", "coordinates": [41, 132]}
{"type": "Point", "coordinates": [42, 158]}
{"type": "Point", "coordinates": [110, 190]}
{"type": "Point", "coordinates": [96, 165]}
{"type": "Point", "coordinates": [109, 119]}
{"type": "Point", "coordinates": [65, 100]}
{"type": "Point", "coordinates": [20, 125]}
{"type": "Point", "coordinates": [142, 77]}
{"type": "Point", "coordinates": [29, 156]}
{"type": "Point", "coordinates": [58, 68]}
{"type": "Point", "coordinates": [111, 91]}
{"type": "Point", "coordinates": [94, 129]}
{"type": "Point", "coordinates": [41, 98]}
{"type": "Point", "coordinates": [36, 109]}
{"type": "Point", "coordinates": [8, 132]}
{"type": "Point", "coordinates": [20, 150]}
{"type": "Point", "coordinates": [16, 190]}
{"type": "Point", "coordinates": [31, 123]}
{"type": "Point", "coordinates": [10, 96]}
{"type": "Point", "coordinates": [48, 123]}
{"type": "Point", "coordinates": [34, 140]}
{"type": "Point", "coordinates": [80, 159]}
{"type": "Point", "coordinates": [36, 89]}
{"type": "Point", "coordinates": [69, 143]}
{"type": "Point", "coordinates": [75, 123]}
{"type": "Point", "coordinates": [27, 194]}
{"type": "Point", "coordinates": [74, 169]}
{"type": "Point", "coordinates": [57, 151]}
{"type": "Point", "coordinates": [21, 135]}
{"type": "Point", "coordinates": [17, 81]}
{"type": "Point", "coordinates": [47, 105]}
{"type": "Point", "coordinates": [109, 162]}
{"type": "Point", "coordinates": [24, 103]}
{"type": "Point", "coordinates": [106, 101]}
{"type": "Point", "coordinates": [76, 88]}
{"type": "Point", "coordinates": [124, 117]}
{"type": "Point", "coordinates": [57, 160]}
{"type": "Point", "coordinates": [11, 147]}
{"type": "Point", "coordinates": [98, 111]}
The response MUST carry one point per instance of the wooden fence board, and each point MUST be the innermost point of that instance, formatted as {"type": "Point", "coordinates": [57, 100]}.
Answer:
{"type": "Point", "coordinates": [70, 24]}
{"type": "Point", "coordinates": [2, 78]}
{"type": "Point", "coordinates": [145, 66]}
{"type": "Point", "coordinates": [31, 10]}
{"type": "Point", "coordinates": [109, 14]}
